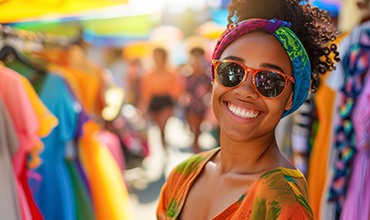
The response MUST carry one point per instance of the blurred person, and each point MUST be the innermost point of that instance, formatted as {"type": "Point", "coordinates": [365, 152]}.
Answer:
{"type": "Point", "coordinates": [160, 89]}
{"type": "Point", "coordinates": [197, 89]}
{"type": "Point", "coordinates": [134, 72]}
{"type": "Point", "coordinates": [116, 64]}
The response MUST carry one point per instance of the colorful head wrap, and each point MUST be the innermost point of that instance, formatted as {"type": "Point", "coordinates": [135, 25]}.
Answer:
{"type": "Point", "coordinates": [293, 46]}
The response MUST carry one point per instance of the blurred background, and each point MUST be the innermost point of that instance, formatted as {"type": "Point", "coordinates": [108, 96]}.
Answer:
{"type": "Point", "coordinates": [73, 73]}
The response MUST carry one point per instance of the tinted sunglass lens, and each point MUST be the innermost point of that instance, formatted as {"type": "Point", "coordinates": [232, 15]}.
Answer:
{"type": "Point", "coordinates": [229, 74]}
{"type": "Point", "coordinates": [269, 83]}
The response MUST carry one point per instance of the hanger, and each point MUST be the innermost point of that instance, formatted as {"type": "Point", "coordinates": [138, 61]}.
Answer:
{"type": "Point", "coordinates": [8, 52]}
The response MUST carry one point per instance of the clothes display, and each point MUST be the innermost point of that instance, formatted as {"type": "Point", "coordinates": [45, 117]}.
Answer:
{"type": "Point", "coordinates": [351, 137]}
{"type": "Point", "coordinates": [54, 164]}
{"type": "Point", "coordinates": [338, 163]}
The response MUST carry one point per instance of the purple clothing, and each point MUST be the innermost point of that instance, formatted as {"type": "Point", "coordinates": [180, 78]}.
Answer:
{"type": "Point", "coordinates": [357, 202]}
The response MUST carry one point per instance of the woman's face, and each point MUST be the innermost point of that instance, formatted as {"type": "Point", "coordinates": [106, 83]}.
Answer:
{"type": "Point", "coordinates": [255, 50]}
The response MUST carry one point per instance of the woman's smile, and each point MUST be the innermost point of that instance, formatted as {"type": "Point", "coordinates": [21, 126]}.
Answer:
{"type": "Point", "coordinates": [242, 112]}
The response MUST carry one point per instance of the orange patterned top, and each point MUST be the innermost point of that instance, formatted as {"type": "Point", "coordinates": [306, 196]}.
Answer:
{"type": "Point", "coordinates": [280, 193]}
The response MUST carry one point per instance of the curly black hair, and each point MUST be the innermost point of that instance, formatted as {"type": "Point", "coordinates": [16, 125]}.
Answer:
{"type": "Point", "coordinates": [312, 26]}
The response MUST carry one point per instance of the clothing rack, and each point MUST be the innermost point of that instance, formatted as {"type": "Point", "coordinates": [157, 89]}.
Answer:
{"type": "Point", "coordinates": [10, 35]}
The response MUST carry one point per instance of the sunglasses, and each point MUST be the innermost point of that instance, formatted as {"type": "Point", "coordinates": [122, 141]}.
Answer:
{"type": "Point", "coordinates": [269, 83]}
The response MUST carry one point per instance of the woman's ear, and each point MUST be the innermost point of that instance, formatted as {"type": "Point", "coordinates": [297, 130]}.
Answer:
{"type": "Point", "coordinates": [289, 103]}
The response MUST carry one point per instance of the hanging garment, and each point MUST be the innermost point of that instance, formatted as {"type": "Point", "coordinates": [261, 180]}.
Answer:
{"type": "Point", "coordinates": [89, 91]}
{"type": "Point", "coordinates": [9, 207]}
{"type": "Point", "coordinates": [44, 123]}
{"type": "Point", "coordinates": [33, 73]}
{"type": "Point", "coordinates": [302, 122]}
{"type": "Point", "coordinates": [80, 185]}
{"type": "Point", "coordinates": [320, 155]}
{"type": "Point", "coordinates": [335, 81]}
{"type": "Point", "coordinates": [26, 125]}
{"type": "Point", "coordinates": [54, 193]}
{"type": "Point", "coordinates": [354, 64]}
{"type": "Point", "coordinates": [113, 144]}
{"type": "Point", "coordinates": [357, 200]}
{"type": "Point", "coordinates": [68, 77]}
{"type": "Point", "coordinates": [47, 121]}
{"type": "Point", "coordinates": [81, 195]}
{"type": "Point", "coordinates": [109, 193]}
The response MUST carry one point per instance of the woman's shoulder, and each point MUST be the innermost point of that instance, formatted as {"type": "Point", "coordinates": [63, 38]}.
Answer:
{"type": "Point", "coordinates": [190, 166]}
{"type": "Point", "coordinates": [283, 189]}
{"type": "Point", "coordinates": [195, 162]}
{"type": "Point", "coordinates": [291, 181]}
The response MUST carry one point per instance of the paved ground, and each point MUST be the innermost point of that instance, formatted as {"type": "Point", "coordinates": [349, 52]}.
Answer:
{"type": "Point", "coordinates": [146, 183]}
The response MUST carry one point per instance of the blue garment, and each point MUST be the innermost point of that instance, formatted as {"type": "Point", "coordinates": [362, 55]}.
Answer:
{"type": "Point", "coordinates": [54, 195]}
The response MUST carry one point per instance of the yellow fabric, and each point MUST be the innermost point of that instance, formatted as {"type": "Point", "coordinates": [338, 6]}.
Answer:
{"type": "Point", "coordinates": [210, 30]}
{"type": "Point", "coordinates": [319, 157]}
{"type": "Point", "coordinates": [69, 77]}
{"type": "Point", "coordinates": [47, 121]}
{"type": "Point", "coordinates": [19, 10]}
{"type": "Point", "coordinates": [87, 87]}
{"type": "Point", "coordinates": [88, 84]}
{"type": "Point", "coordinates": [109, 194]}
{"type": "Point", "coordinates": [137, 50]}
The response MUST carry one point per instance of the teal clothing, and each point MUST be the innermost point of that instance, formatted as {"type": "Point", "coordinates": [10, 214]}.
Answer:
{"type": "Point", "coordinates": [54, 195]}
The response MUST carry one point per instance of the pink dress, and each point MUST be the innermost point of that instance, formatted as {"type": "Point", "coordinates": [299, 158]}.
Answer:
{"type": "Point", "coordinates": [26, 126]}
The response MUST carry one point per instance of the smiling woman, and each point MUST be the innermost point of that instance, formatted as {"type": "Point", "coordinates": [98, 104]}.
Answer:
{"type": "Point", "coordinates": [263, 67]}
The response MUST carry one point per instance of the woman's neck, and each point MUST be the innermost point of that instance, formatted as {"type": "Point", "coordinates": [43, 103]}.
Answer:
{"type": "Point", "coordinates": [250, 157]}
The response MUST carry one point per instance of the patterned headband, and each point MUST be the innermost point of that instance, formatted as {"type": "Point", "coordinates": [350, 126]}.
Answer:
{"type": "Point", "coordinates": [293, 46]}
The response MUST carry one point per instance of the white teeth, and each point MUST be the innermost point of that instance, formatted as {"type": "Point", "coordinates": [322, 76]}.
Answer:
{"type": "Point", "coordinates": [243, 113]}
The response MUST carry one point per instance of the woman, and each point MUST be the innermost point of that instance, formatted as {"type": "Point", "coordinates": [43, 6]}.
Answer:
{"type": "Point", "coordinates": [160, 89]}
{"type": "Point", "coordinates": [262, 70]}
{"type": "Point", "coordinates": [197, 86]}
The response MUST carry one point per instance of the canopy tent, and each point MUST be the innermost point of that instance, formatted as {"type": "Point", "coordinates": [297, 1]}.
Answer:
{"type": "Point", "coordinates": [210, 30]}
{"type": "Point", "coordinates": [99, 31]}
{"type": "Point", "coordinates": [32, 10]}
{"type": "Point", "coordinates": [103, 22]}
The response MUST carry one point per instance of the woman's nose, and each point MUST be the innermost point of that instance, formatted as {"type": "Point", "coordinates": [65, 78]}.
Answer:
{"type": "Point", "coordinates": [246, 89]}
